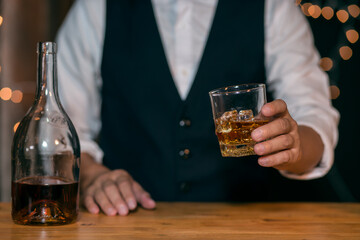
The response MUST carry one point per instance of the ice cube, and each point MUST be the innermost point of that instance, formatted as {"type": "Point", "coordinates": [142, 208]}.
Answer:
{"type": "Point", "coordinates": [245, 115]}
{"type": "Point", "coordinates": [223, 124]}
{"type": "Point", "coordinates": [229, 115]}
{"type": "Point", "coordinates": [225, 127]}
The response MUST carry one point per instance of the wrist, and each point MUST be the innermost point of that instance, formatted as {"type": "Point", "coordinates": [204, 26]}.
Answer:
{"type": "Point", "coordinates": [90, 170]}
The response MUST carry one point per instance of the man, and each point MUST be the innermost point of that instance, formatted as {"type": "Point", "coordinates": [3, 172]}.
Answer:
{"type": "Point", "coordinates": [135, 75]}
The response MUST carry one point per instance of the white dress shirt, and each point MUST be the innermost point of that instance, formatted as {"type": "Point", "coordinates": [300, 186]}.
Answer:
{"type": "Point", "coordinates": [291, 63]}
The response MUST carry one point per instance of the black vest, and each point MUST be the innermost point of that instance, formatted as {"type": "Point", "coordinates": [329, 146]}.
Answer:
{"type": "Point", "coordinates": [169, 145]}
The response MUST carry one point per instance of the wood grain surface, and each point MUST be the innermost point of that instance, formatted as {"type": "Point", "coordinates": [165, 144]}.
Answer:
{"type": "Point", "coordinates": [203, 221]}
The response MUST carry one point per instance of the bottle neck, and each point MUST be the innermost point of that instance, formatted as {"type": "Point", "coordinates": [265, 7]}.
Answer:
{"type": "Point", "coordinates": [46, 91]}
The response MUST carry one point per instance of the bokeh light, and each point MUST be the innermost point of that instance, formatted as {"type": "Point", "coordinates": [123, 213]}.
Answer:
{"type": "Point", "coordinates": [314, 11]}
{"type": "Point", "coordinates": [326, 63]}
{"type": "Point", "coordinates": [345, 52]}
{"type": "Point", "coordinates": [1, 20]}
{"type": "Point", "coordinates": [334, 92]}
{"type": "Point", "coordinates": [342, 15]}
{"type": "Point", "coordinates": [327, 13]}
{"type": "Point", "coordinates": [305, 8]}
{"type": "Point", "coordinates": [5, 93]}
{"type": "Point", "coordinates": [354, 10]}
{"type": "Point", "coordinates": [16, 96]}
{"type": "Point", "coordinates": [352, 35]}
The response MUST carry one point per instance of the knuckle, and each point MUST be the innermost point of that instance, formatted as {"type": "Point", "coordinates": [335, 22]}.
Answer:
{"type": "Point", "coordinates": [123, 182]}
{"type": "Point", "coordinates": [89, 191]}
{"type": "Point", "coordinates": [121, 175]}
{"type": "Point", "coordinates": [120, 172]}
{"type": "Point", "coordinates": [99, 181]}
{"type": "Point", "coordinates": [284, 124]}
{"type": "Point", "coordinates": [137, 187]}
{"type": "Point", "coordinates": [287, 156]}
{"type": "Point", "coordinates": [101, 178]}
{"type": "Point", "coordinates": [294, 124]}
{"type": "Point", "coordinates": [108, 188]}
{"type": "Point", "coordinates": [283, 102]}
{"type": "Point", "coordinates": [266, 147]}
{"type": "Point", "coordinates": [288, 141]}
{"type": "Point", "coordinates": [107, 183]}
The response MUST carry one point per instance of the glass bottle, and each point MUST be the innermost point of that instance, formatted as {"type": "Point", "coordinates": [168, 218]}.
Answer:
{"type": "Point", "coordinates": [45, 154]}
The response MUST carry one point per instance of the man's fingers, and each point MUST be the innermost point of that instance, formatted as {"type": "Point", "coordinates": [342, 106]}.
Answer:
{"type": "Point", "coordinates": [277, 160]}
{"type": "Point", "coordinates": [273, 108]}
{"type": "Point", "coordinates": [90, 204]}
{"type": "Point", "coordinates": [113, 194]}
{"type": "Point", "coordinates": [277, 144]}
{"type": "Point", "coordinates": [116, 192]}
{"type": "Point", "coordinates": [275, 128]}
{"type": "Point", "coordinates": [146, 201]}
{"type": "Point", "coordinates": [142, 196]}
{"type": "Point", "coordinates": [124, 184]}
{"type": "Point", "coordinates": [104, 203]}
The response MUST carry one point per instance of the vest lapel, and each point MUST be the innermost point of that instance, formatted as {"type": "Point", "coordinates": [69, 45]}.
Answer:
{"type": "Point", "coordinates": [152, 36]}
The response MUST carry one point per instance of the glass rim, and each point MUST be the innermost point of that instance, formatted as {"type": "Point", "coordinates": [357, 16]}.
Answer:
{"type": "Point", "coordinates": [246, 87]}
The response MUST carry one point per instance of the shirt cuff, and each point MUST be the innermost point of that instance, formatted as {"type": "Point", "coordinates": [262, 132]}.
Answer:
{"type": "Point", "coordinates": [324, 165]}
{"type": "Point", "coordinates": [92, 148]}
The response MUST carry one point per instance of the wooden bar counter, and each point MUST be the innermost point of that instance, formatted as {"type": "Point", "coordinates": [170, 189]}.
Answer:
{"type": "Point", "coordinates": [203, 221]}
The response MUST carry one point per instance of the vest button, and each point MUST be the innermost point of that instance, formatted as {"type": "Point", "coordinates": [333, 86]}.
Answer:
{"type": "Point", "coordinates": [185, 123]}
{"type": "Point", "coordinates": [185, 187]}
{"type": "Point", "coordinates": [185, 153]}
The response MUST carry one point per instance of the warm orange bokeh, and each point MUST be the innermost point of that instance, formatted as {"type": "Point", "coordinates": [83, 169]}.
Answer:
{"type": "Point", "coordinates": [327, 13]}
{"type": "Point", "coordinates": [352, 35]}
{"type": "Point", "coordinates": [326, 64]}
{"type": "Point", "coordinates": [354, 10]}
{"type": "Point", "coordinates": [345, 52]}
{"type": "Point", "coordinates": [314, 11]}
{"type": "Point", "coordinates": [342, 15]}
{"type": "Point", "coordinates": [5, 93]}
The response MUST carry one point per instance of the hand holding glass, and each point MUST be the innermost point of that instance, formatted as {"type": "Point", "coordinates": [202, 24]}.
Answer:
{"type": "Point", "coordinates": [237, 112]}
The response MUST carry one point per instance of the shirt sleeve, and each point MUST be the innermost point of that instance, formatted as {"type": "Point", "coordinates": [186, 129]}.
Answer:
{"type": "Point", "coordinates": [80, 43]}
{"type": "Point", "coordinates": [294, 75]}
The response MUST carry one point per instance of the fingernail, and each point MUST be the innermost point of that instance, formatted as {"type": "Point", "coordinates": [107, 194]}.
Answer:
{"type": "Point", "coordinates": [123, 210]}
{"type": "Point", "coordinates": [266, 110]}
{"type": "Point", "coordinates": [152, 203]}
{"type": "Point", "coordinates": [131, 204]}
{"type": "Point", "coordinates": [263, 162]}
{"type": "Point", "coordinates": [256, 134]}
{"type": "Point", "coordinates": [259, 149]}
{"type": "Point", "coordinates": [94, 210]}
{"type": "Point", "coordinates": [111, 211]}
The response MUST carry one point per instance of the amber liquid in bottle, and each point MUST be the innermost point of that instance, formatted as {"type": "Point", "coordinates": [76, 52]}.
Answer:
{"type": "Point", "coordinates": [44, 200]}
